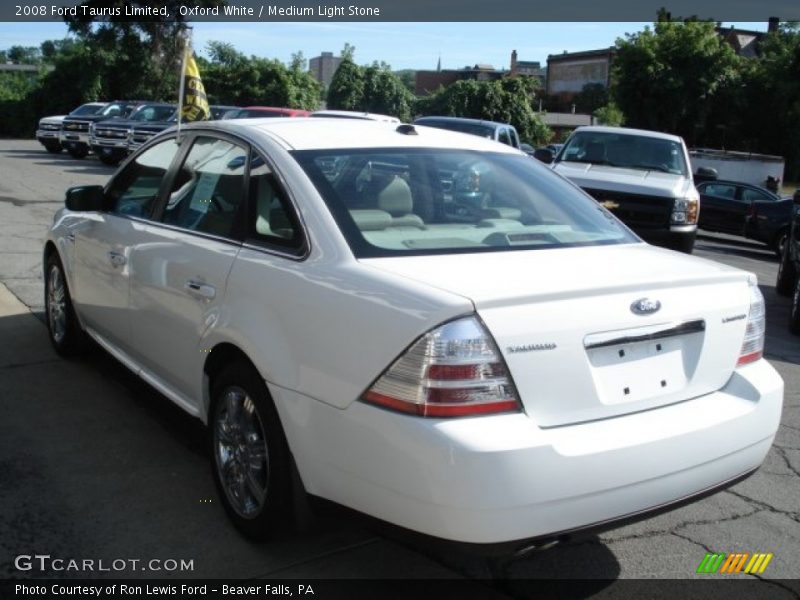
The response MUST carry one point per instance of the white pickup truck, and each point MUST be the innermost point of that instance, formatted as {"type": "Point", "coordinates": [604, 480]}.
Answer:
{"type": "Point", "coordinates": [643, 177]}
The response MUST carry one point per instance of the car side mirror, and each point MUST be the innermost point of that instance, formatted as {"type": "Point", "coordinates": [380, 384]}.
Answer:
{"type": "Point", "coordinates": [527, 148]}
{"type": "Point", "coordinates": [85, 198]}
{"type": "Point", "coordinates": [544, 155]}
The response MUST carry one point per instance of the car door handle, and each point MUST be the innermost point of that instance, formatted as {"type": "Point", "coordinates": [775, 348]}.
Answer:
{"type": "Point", "coordinates": [198, 288]}
{"type": "Point", "coordinates": [117, 259]}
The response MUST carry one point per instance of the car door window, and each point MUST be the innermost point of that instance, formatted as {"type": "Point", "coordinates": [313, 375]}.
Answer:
{"type": "Point", "coordinates": [751, 195]}
{"type": "Point", "coordinates": [720, 190]}
{"type": "Point", "coordinates": [271, 220]}
{"type": "Point", "coordinates": [134, 190]}
{"type": "Point", "coordinates": [208, 188]}
{"type": "Point", "coordinates": [505, 137]}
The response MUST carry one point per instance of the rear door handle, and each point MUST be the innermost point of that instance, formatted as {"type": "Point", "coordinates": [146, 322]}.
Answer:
{"type": "Point", "coordinates": [203, 290]}
{"type": "Point", "coordinates": [117, 259]}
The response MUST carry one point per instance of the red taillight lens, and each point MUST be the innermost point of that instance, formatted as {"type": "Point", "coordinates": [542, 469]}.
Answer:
{"type": "Point", "coordinates": [753, 345]}
{"type": "Point", "coordinates": [453, 371]}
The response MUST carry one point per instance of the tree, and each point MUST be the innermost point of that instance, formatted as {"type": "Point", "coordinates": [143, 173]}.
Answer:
{"type": "Point", "coordinates": [346, 90]}
{"type": "Point", "coordinates": [508, 100]}
{"type": "Point", "coordinates": [667, 77]}
{"type": "Point", "coordinates": [610, 114]}
{"type": "Point", "coordinates": [24, 55]}
{"type": "Point", "coordinates": [232, 78]}
{"type": "Point", "coordinates": [144, 57]}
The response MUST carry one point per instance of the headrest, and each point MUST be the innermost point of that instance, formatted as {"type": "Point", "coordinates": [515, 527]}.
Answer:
{"type": "Point", "coordinates": [396, 198]}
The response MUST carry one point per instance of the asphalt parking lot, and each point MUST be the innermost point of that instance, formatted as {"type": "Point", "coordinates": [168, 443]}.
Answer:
{"type": "Point", "coordinates": [95, 464]}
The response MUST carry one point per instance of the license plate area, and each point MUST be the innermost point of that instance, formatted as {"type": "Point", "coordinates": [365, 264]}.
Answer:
{"type": "Point", "coordinates": [642, 364]}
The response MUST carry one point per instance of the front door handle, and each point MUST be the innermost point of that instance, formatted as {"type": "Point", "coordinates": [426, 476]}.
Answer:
{"type": "Point", "coordinates": [117, 259]}
{"type": "Point", "coordinates": [198, 288]}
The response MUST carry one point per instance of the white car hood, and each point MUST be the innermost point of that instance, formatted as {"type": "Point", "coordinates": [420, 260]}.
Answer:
{"type": "Point", "coordinates": [617, 179]}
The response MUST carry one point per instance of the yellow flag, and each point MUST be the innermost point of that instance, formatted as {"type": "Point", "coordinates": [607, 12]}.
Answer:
{"type": "Point", "coordinates": [195, 103]}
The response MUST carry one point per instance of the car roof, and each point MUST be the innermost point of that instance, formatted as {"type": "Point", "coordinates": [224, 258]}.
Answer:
{"type": "Point", "coordinates": [630, 131]}
{"type": "Point", "coordinates": [333, 133]}
{"type": "Point", "coordinates": [434, 119]}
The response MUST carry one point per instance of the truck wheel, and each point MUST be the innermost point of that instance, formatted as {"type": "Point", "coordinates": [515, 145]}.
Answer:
{"type": "Point", "coordinates": [53, 148]}
{"type": "Point", "coordinates": [78, 152]}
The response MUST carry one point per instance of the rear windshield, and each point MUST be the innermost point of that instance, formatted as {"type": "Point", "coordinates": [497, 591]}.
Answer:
{"type": "Point", "coordinates": [437, 201]}
{"type": "Point", "coordinates": [626, 151]}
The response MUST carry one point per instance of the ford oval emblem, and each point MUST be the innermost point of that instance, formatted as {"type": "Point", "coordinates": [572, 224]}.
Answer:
{"type": "Point", "coordinates": [645, 306]}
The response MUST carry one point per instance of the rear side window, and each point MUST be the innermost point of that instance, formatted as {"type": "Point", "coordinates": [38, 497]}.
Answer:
{"type": "Point", "coordinates": [135, 189]}
{"type": "Point", "coordinates": [208, 188]}
{"type": "Point", "coordinates": [271, 220]}
{"type": "Point", "coordinates": [720, 190]}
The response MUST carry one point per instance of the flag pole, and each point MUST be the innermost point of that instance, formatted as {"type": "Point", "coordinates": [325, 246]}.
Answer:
{"type": "Point", "coordinates": [182, 77]}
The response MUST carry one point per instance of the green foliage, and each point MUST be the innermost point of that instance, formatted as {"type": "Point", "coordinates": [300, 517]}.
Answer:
{"type": "Point", "coordinates": [507, 100]}
{"type": "Point", "coordinates": [668, 77]}
{"type": "Point", "coordinates": [374, 88]}
{"type": "Point", "coordinates": [346, 90]}
{"type": "Point", "coordinates": [232, 78]}
{"type": "Point", "coordinates": [610, 114]}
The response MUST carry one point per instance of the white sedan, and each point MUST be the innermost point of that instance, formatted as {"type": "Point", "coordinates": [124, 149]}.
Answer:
{"type": "Point", "coordinates": [421, 325]}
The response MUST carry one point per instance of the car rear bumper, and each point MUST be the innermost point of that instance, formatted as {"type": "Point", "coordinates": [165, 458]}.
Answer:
{"type": "Point", "coordinates": [498, 479]}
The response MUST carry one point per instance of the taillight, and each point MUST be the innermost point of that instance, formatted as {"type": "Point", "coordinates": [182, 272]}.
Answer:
{"type": "Point", "coordinates": [753, 345]}
{"type": "Point", "coordinates": [454, 370]}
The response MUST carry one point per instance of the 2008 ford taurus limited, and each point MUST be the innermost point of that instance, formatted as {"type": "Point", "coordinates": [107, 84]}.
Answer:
{"type": "Point", "coordinates": [433, 328]}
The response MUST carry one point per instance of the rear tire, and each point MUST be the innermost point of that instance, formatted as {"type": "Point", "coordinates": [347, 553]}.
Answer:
{"type": "Point", "coordinates": [787, 275]}
{"type": "Point", "coordinates": [64, 331]}
{"type": "Point", "coordinates": [779, 243]}
{"type": "Point", "coordinates": [250, 456]}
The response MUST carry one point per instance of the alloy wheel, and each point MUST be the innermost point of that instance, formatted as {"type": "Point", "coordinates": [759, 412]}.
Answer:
{"type": "Point", "coordinates": [56, 304]}
{"type": "Point", "coordinates": [240, 452]}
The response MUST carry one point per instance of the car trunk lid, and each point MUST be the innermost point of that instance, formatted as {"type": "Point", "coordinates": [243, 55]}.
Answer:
{"type": "Point", "coordinates": [576, 342]}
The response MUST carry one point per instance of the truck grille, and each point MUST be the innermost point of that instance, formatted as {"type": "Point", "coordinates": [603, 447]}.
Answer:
{"type": "Point", "coordinates": [110, 133]}
{"type": "Point", "coordinates": [76, 126]}
{"type": "Point", "coordinates": [636, 210]}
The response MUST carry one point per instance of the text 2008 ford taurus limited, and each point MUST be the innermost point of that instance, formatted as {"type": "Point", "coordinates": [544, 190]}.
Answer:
{"type": "Point", "coordinates": [435, 329]}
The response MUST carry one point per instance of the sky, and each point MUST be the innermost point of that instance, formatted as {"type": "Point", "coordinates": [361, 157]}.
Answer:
{"type": "Point", "coordinates": [402, 45]}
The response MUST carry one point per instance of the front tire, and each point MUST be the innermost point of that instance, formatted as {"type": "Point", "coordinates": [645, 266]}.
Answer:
{"type": "Point", "coordinates": [63, 328]}
{"type": "Point", "coordinates": [53, 148]}
{"type": "Point", "coordinates": [250, 456]}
